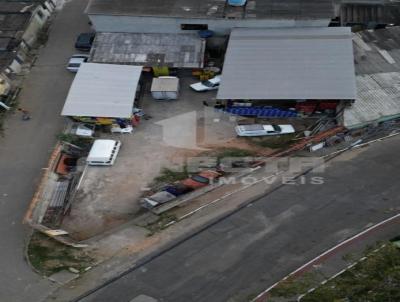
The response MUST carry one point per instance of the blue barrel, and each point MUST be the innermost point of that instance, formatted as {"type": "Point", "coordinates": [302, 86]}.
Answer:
{"type": "Point", "coordinates": [206, 34]}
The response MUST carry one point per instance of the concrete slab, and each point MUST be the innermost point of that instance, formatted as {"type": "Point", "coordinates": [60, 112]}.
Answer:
{"type": "Point", "coordinates": [63, 277]}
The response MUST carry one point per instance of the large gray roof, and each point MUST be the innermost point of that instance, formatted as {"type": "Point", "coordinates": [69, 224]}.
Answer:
{"type": "Point", "coordinates": [103, 90]}
{"type": "Point", "coordinates": [294, 63]}
{"type": "Point", "coordinates": [173, 50]}
{"type": "Point", "coordinates": [262, 9]}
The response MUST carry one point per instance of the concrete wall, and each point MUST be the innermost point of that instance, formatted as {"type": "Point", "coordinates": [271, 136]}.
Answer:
{"type": "Point", "coordinates": [108, 23]}
{"type": "Point", "coordinates": [38, 20]}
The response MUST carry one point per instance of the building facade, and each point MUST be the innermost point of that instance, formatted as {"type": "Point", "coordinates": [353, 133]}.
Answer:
{"type": "Point", "coordinates": [185, 16]}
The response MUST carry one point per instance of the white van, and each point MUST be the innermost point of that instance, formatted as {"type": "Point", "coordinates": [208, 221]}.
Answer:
{"type": "Point", "coordinates": [103, 152]}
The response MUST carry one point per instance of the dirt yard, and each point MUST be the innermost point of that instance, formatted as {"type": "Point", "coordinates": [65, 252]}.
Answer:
{"type": "Point", "coordinates": [175, 131]}
{"type": "Point", "coordinates": [171, 133]}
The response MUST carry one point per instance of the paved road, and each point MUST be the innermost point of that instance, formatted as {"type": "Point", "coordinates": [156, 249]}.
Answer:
{"type": "Point", "coordinates": [255, 247]}
{"type": "Point", "coordinates": [25, 149]}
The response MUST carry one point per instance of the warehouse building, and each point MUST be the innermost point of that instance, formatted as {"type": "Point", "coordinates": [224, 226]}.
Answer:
{"type": "Point", "coordinates": [186, 16]}
{"type": "Point", "coordinates": [304, 69]}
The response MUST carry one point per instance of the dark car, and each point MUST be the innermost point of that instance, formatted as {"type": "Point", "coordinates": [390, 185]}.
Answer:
{"type": "Point", "coordinates": [177, 189]}
{"type": "Point", "coordinates": [84, 41]}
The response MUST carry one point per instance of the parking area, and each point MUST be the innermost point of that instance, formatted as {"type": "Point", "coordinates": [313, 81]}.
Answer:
{"type": "Point", "coordinates": [168, 133]}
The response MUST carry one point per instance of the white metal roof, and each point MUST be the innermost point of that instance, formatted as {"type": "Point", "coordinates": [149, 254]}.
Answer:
{"type": "Point", "coordinates": [289, 64]}
{"type": "Point", "coordinates": [165, 84]}
{"type": "Point", "coordinates": [103, 90]}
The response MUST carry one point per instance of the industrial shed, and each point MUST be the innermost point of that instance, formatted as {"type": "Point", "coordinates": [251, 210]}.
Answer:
{"type": "Point", "coordinates": [289, 64]}
{"type": "Point", "coordinates": [103, 90]}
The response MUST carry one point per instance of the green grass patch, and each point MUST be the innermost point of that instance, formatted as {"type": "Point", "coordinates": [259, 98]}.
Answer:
{"type": "Point", "coordinates": [275, 142]}
{"type": "Point", "coordinates": [162, 223]}
{"type": "Point", "coordinates": [82, 142]}
{"type": "Point", "coordinates": [234, 152]}
{"type": "Point", "coordinates": [49, 256]}
{"type": "Point", "coordinates": [168, 176]}
{"type": "Point", "coordinates": [375, 279]}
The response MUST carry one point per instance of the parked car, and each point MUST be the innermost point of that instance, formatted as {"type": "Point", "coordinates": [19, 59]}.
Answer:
{"type": "Point", "coordinates": [117, 129]}
{"type": "Point", "coordinates": [157, 199]}
{"type": "Point", "coordinates": [84, 130]}
{"type": "Point", "coordinates": [263, 130]}
{"type": "Point", "coordinates": [202, 179]}
{"type": "Point", "coordinates": [75, 62]}
{"type": "Point", "coordinates": [84, 41]}
{"type": "Point", "coordinates": [210, 84]}
{"type": "Point", "coordinates": [178, 189]}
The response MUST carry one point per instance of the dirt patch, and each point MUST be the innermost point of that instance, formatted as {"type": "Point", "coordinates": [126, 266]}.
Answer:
{"type": "Point", "coordinates": [48, 256]}
{"type": "Point", "coordinates": [276, 142]}
{"type": "Point", "coordinates": [240, 144]}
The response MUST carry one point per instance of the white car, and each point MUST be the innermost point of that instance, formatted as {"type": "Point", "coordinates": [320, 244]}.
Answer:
{"type": "Point", "coordinates": [263, 130]}
{"type": "Point", "coordinates": [118, 129]}
{"type": "Point", "coordinates": [76, 61]}
{"type": "Point", "coordinates": [210, 84]}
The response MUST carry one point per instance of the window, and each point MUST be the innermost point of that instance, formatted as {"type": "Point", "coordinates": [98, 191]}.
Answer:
{"type": "Point", "coordinates": [201, 179]}
{"type": "Point", "coordinates": [277, 128]}
{"type": "Point", "coordinates": [207, 83]}
{"type": "Point", "coordinates": [194, 26]}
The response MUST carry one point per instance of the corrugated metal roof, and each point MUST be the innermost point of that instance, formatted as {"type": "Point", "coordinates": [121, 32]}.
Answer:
{"type": "Point", "coordinates": [378, 98]}
{"type": "Point", "coordinates": [173, 50]}
{"type": "Point", "coordinates": [377, 51]}
{"type": "Point", "coordinates": [103, 90]}
{"type": "Point", "coordinates": [295, 63]}
{"type": "Point", "coordinates": [369, 11]}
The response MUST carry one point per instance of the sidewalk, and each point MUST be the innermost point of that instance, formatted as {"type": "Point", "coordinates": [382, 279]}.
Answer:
{"type": "Point", "coordinates": [25, 148]}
